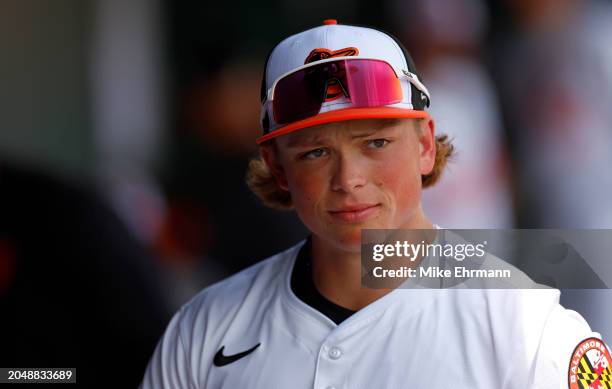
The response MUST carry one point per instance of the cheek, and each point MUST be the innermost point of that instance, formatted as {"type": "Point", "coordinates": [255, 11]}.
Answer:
{"type": "Point", "coordinates": [307, 190]}
{"type": "Point", "coordinates": [306, 186]}
{"type": "Point", "coordinates": [401, 180]}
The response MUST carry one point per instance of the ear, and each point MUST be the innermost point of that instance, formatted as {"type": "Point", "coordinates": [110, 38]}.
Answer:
{"type": "Point", "coordinates": [269, 154]}
{"type": "Point", "coordinates": [427, 145]}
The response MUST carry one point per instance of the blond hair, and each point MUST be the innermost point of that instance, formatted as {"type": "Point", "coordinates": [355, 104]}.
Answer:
{"type": "Point", "coordinates": [262, 182]}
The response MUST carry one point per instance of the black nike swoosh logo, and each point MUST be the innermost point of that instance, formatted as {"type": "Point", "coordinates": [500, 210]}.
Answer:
{"type": "Point", "coordinates": [222, 360]}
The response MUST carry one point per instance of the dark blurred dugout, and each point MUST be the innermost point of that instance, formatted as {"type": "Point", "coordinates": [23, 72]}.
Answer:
{"type": "Point", "coordinates": [76, 290]}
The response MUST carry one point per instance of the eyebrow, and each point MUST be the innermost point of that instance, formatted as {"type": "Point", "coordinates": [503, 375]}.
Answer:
{"type": "Point", "coordinates": [384, 125]}
{"type": "Point", "coordinates": [366, 133]}
{"type": "Point", "coordinates": [303, 139]}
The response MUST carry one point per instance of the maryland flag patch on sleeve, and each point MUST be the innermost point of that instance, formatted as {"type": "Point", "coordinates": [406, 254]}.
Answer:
{"type": "Point", "coordinates": [590, 366]}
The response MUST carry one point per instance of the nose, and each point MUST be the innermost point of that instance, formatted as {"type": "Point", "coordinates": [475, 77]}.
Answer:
{"type": "Point", "coordinates": [348, 175]}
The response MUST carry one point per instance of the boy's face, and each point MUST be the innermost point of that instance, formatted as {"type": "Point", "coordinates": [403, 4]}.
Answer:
{"type": "Point", "coordinates": [351, 175]}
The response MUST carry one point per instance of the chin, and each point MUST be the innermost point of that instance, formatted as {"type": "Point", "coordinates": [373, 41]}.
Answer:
{"type": "Point", "coordinates": [349, 240]}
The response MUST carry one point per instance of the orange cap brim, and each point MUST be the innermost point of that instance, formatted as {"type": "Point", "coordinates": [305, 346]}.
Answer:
{"type": "Point", "coordinates": [346, 114]}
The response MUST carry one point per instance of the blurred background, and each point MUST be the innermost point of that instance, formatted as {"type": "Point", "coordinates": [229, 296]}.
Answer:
{"type": "Point", "coordinates": [126, 128]}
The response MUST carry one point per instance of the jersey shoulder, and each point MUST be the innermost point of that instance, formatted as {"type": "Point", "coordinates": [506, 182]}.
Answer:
{"type": "Point", "coordinates": [255, 283]}
{"type": "Point", "coordinates": [565, 331]}
{"type": "Point", "coordinates": [185, 351]}
{"type": "Point", "coordinates": [537, 334]}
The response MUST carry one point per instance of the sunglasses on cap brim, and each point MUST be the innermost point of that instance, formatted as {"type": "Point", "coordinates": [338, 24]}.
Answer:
{"type": "Point", "coordinates": [365, 82]}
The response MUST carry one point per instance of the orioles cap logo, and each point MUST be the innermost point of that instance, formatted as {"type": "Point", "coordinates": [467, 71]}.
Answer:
{"type": "Point", "coordinates": [334, 91]}
{"type": "Point", "coordinates": [319, 54]}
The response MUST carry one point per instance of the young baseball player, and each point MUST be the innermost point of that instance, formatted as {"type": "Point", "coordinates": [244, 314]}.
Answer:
{"type": "Point", "coordinates": [348, 144]}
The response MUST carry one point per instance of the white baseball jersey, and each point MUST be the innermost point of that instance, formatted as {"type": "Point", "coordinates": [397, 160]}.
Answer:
{"type": "Point", "coordinates": [251, 331]}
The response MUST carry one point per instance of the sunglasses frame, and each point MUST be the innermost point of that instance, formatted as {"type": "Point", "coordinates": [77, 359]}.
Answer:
{"type": "Point", "coordinates": [401, 74]}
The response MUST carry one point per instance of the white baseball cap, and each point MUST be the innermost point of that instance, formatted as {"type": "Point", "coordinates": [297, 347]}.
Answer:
{"type": "Point", "coordinates": [336, 43]}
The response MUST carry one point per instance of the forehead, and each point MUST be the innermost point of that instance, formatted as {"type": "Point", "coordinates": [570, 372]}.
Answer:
{"type": "Point", "coordinates": [346, 129]}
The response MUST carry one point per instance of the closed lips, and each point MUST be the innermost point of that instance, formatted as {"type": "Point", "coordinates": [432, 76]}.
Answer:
{"type": "Point", "coordinates": [355, 213]}
{"type": "Point", "coordinates": [353, 208]}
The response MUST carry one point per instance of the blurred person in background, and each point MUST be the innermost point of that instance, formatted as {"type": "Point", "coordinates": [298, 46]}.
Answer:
{"type": "Point", "coordinates": [555, 74]}
{"type": "Point", "coordinates": [76, 288]}
{"type": "Point", "coordinates": [554, 69]}
{"type": "Point", "coordinates": [475, 191]}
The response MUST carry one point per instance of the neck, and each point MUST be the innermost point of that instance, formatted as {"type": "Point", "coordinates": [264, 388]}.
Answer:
{"type": "Point", "coordinates": [337, 272]}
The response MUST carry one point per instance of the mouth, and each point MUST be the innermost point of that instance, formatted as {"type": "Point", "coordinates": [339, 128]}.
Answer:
{"type": "Point", "coordinates": [355, 213]}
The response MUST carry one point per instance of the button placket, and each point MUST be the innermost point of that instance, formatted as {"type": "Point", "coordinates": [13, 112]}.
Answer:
{"type": "Point", "coordinates": [330, 372]}
{"type": "Point", "coordinates": [335, 353]}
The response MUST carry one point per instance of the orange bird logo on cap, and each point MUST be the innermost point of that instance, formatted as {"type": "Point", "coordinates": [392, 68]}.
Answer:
{"type": "Point", "coordinates": [334, 91]}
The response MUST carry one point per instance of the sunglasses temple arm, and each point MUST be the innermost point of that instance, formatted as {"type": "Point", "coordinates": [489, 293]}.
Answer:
{"type": "Point", "coordinates": [414, 80]}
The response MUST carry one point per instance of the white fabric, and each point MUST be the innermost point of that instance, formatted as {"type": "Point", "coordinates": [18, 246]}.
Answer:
{"type": "Point", "coordinates": [420, 338]}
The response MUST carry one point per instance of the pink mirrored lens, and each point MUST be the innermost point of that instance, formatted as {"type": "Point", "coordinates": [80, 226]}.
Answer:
{"type": "Point", "coordinates": [372, 83]}
{"type": "Point", "coordinates": [368, 83]}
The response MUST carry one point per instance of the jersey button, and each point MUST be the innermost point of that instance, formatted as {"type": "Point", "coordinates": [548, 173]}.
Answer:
{"type": "Point", "coordinates": [335, 353]}
{"type": "Point", "coordinates": [331, 387]}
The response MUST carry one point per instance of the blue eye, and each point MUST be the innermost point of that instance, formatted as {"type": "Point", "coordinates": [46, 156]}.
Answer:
{"type": "Point", "coordinates": [314, 154]}
{"type": "Point", "coordinates": [377, 143]}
